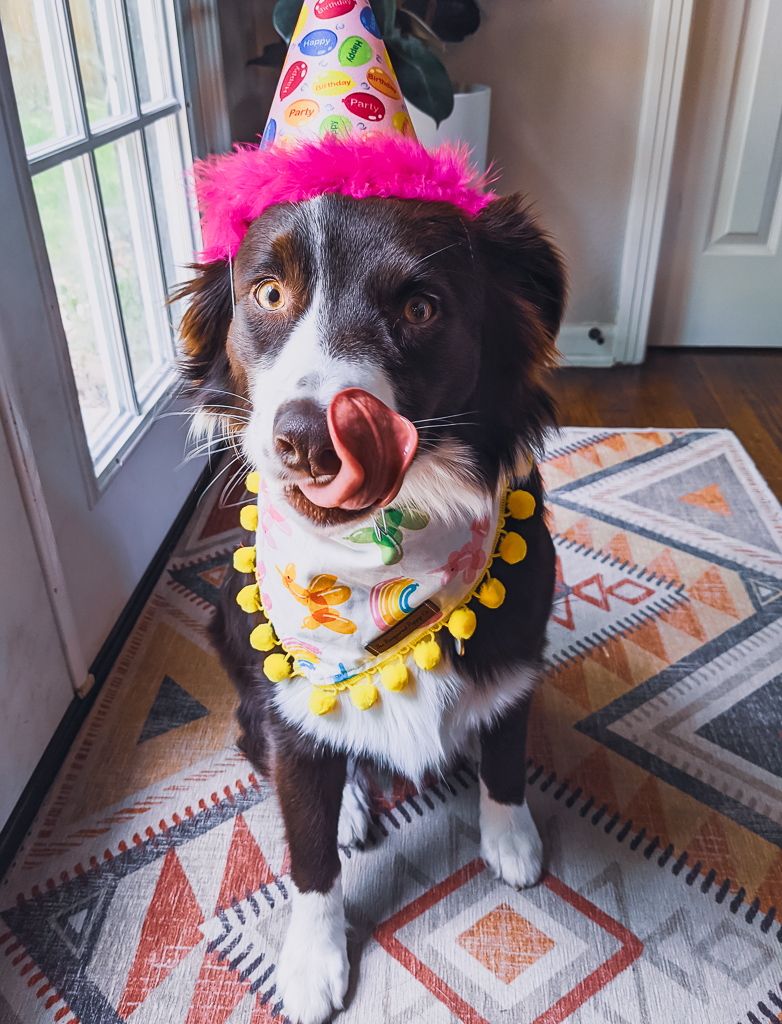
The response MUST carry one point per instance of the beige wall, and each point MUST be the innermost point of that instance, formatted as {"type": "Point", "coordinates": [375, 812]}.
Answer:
{"type": "Point", "coordinates": [566, 77]}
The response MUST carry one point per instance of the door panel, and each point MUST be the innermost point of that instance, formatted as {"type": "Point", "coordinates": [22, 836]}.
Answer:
{"type": "Point", "coordinates": [720, 279]}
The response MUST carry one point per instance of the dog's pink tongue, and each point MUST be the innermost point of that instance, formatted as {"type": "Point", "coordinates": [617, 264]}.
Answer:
{"type": "Point", "coordinates": [375, 445]}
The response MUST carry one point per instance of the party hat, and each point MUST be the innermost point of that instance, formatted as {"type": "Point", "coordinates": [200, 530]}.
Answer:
{"type": "Point", "coordinates": [337, 79]}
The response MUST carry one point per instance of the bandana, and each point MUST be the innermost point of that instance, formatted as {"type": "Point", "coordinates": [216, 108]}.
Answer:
{"type": "Point", "coordinates": [354, 609]}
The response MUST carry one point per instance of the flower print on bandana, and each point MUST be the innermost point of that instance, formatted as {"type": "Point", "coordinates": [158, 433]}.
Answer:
{"type": "Point", "coordinates": [470, 559]}
{"type": "Point", "coordinates": [319, 598]}
{"type": "Point", "coordinates": [387, 534]}
{"type": "Point", "coordinates": [270, 517]}
{"type": "Point", "coordinates": [260, 575]}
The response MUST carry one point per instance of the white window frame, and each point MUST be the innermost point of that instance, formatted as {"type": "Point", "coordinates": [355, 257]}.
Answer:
{"type": "Point", "coordinates": [128, 429]}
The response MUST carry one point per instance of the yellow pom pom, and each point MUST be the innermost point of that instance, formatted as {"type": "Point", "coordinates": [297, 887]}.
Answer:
{"type": "Point", "coordinates": [277, 667]}
{"type": "Point", "coordinates": [462, 623]}
{"type": "Point", "coordinates": [513, 548]}
{"type": "Point", "coordinates": [253, 482]}
{"type": "Point", "coordinates": [521, 504]}
{"type": "Point", "coordinates": [491, 593]}
{"type": "Point", "coordinates": [394, 676]}
{"type": "Point", "coordinates": [363, 695]}
{"type": "Point", "coordinates": [321, 702]}
{"type": "Point", "coordinates": [262, 637]}
{"type": "Point", "coordinates": [244, 559]}
{"type": "Point", "coordinates": [427, 654]}
{"type": "Point", "coordinates": [248, 517]}
{"type": "Point", "coordinates": [249, 598]}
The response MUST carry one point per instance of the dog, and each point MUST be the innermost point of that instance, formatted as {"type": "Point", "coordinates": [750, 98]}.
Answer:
{"type": "Point", "coordinates": [449, 321]}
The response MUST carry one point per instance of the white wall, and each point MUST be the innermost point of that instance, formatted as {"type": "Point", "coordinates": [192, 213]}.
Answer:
{"type": "Point", "coordinates": [566, 78]}
{"type": "Point", "coordinates": [34, 686]}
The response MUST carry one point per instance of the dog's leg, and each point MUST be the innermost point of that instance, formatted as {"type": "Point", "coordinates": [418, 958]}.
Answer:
{"type": "Point", "coordinates": [510, 843]}
{"type": "Point", "coordinates": [354, 813]}
{"type": "Point", "coordinates": [312, 972]}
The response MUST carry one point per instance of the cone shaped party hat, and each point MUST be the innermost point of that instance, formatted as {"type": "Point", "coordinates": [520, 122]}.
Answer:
{"type": "Point", "coordinates": [337, 79]}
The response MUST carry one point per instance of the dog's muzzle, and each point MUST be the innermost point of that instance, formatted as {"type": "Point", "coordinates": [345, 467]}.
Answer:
{"type": "Point", "coordinates": [360, 446]}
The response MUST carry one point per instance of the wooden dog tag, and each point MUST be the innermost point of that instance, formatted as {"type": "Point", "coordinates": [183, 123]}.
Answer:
{"type": "Point", "coordinates": [400, 630]}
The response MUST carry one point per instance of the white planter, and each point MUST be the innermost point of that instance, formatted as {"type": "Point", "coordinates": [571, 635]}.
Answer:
{"type": "Point", "coordinates": [468, 123]}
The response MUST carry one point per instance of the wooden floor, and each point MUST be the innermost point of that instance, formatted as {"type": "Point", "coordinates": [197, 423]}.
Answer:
{"type": "Point", "coordinates": [740, 389]}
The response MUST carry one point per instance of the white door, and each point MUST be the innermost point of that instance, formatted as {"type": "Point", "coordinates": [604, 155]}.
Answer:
{"type": "Point", "coordinates": [96, 230]}
{"type": "Point", "coordinates": [720, 273]}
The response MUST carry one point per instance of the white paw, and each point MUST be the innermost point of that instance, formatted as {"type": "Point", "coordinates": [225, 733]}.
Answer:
{"type": "Point", "coordinates": [312, 970]}
{"type": "Point", "coordinates": [510, 843]}
{"type": "Point", "coordinates": [353, 816]}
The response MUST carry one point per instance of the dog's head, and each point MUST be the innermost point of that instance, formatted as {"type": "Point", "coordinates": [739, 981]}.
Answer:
{"type": "Point", "coordinates": [405, 312]}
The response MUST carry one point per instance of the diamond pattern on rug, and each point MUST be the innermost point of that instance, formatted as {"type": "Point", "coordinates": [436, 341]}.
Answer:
{"type": "Point", "coordinates": [505, 943]}
{"type": "Point", "coordinates": [154, 885]}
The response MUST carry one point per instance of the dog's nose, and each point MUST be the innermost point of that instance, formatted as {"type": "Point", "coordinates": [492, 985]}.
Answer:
{"type": "Point", "coordinates": [302, 440]}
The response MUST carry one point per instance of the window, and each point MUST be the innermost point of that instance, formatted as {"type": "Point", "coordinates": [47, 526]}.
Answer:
{"type": "Point", "coordinates": [98, 88]}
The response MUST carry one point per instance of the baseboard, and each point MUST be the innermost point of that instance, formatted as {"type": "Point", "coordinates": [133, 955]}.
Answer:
{"type": "Point", "coordinates": [23, 814]}
{"type": "Point", "coordinates": [577, 348]}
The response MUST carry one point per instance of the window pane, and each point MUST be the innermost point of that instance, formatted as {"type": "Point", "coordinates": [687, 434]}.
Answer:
{"type": "Point", "coordinates": [126, 202]}
{"type": "Point", "coordinates": [103, 59]}
{"type": "Point", "coordinates": [44, 83]}
{"type": "Point", "coordinates": [67, 208]}
{"type": "Point", "coordinates": [168, 187]}
{"type": "Point", "coordinates": [150, 52]}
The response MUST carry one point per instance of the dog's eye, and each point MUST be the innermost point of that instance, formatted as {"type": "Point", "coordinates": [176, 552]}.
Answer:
{"type": "Point", "coordinates": [418, 310]}
{"type": "Point", "coordinates": [270, 295]}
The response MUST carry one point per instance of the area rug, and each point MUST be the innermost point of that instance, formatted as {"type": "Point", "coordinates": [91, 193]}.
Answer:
{"type": "Point", "coordinates": [153, 886]}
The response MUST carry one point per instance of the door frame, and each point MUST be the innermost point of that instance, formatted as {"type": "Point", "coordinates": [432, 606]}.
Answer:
{"type": "Point", "coordinates": [625, 340]}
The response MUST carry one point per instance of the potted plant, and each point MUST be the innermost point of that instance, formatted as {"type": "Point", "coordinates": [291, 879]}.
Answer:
{"type": "Point", "coordinates": [414, 31]}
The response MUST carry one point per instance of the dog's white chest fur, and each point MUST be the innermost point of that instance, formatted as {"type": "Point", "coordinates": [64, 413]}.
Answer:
{"type": "Point", "coordinates": [414, 731]}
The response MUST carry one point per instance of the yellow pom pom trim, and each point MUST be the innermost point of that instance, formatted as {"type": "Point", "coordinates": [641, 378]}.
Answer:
{"type": "Point", "coordinates": [321, 702]}
{"type": "Point", "coordinates": [394, 676]}
{"type": "Point", "coordinates": [462, 623]}
{"type": "Point", "coordinates": [244, 559]}
{"type": "Point", "coordinates": [249, 598]}
{"type": "Point", "coordinates": [513, 548]}
{"type": "Point", "coordinates": [491, 593]}
{"type": "Point", "coordinates": [363, 695]}
{"type": "Point", "coordinates": [253, 482]}
{"type": "Point", "coordinates": [521, 504]}
{"type": "Point", "coordinates": [262, 637]}
{"type": "Point", "coordinates": [248, 517]}
{"type": "Point", "coordinates": [277, 667]}
{"type": "Point", "coordinates": [427, 654]}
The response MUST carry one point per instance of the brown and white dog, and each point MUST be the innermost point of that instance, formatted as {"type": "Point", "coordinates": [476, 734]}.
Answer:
{"type": "Point", "coordinates": [449, 320]}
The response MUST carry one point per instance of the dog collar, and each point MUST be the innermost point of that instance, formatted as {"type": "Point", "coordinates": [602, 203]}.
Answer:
{"type": "Point", "coordinates": [349, 611]}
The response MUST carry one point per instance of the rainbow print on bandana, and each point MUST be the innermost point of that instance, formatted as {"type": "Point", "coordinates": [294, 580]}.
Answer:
{"type": "Point", "coordinates": [305, 655]}
{"type": "Point", "coordinates": [391, 601]}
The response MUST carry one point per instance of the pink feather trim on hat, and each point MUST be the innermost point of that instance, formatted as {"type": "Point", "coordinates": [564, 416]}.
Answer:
{"type": "Point", "coordinates": [234, 189]}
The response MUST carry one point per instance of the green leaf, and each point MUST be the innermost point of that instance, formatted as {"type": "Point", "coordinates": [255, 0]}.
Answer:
{"type": "Point", "coordinates": [422, 77]}
{"type": "Point", "coordinates": [390, 551]}
{"type": "Point", "coordinates": [414, 519]}
{"type": "Point", "coordinates": [363, 536]}
{"type": "Point", "coordinates": [286, 14]}
{"type": "Point", "coordinates": [385, 16]}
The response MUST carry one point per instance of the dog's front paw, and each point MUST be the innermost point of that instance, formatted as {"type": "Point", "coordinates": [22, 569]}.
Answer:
{"type": "Point", "coordinates": [353, 816]}
{"type": "Point", "coordinates": [510, 843]}
{"type": "Point", "coordinates": [312, 970]}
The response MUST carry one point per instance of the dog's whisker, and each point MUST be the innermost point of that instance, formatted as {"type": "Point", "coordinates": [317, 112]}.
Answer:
{"type": "Point", "coordinates": [446, 416]}
{"type": "Point", "coordinates": [216, 477]}
{"type": "Point", "coordinates": [228, 394]}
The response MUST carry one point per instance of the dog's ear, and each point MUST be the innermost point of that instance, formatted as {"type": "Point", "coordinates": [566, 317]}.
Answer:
{"type": "Point", "coordinates": [525, 290]}
{"type": "Point", "coordinates": [205, 324]}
